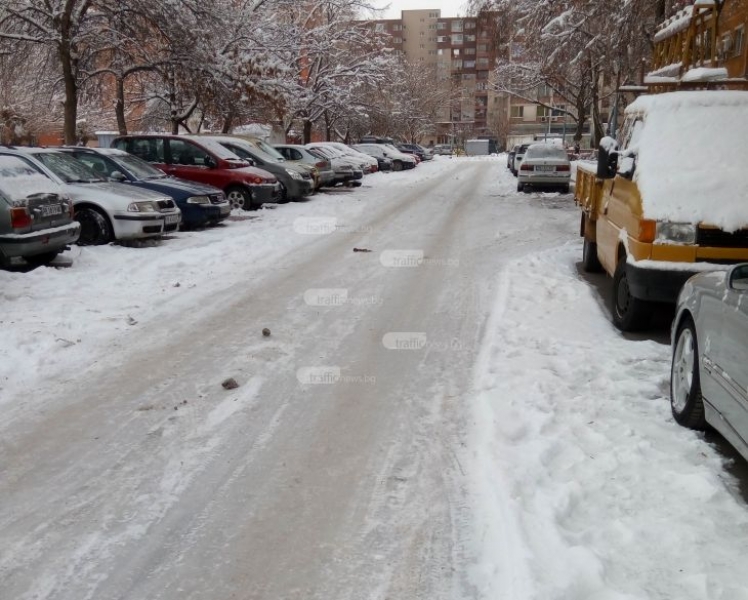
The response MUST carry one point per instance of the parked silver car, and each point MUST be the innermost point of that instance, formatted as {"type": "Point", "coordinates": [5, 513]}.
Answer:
{"type": "Point", "coordinates": [544, 166]}
{"type": "Point", "coordinates": [36, 217]}
{"type": "Point", "coordinates": [105, 210]}
{"type": "Point", "coordinates": [709, 372]}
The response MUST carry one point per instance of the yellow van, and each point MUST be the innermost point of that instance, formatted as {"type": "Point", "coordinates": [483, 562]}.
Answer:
{"type": "Point", "coordinates": [669, 200]}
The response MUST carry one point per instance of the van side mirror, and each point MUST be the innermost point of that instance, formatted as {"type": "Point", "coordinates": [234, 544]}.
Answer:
{"type": "Point", "coordinates": [117, 176]}
{"type": "Point", "coordinates": [607, 158]}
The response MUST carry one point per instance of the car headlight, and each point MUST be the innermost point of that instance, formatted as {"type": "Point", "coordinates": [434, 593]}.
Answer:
{"type": "Point", "coordinates": [675, 233]}
{"type": "Point", "coordinates": [294, 174]}
{"type": "Point", "coordinates": [141, 207]}
{"type": "Point", "coordinates": [198, 200]}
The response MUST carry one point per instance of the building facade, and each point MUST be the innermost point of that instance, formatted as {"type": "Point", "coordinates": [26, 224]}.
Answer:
{"type": "Point", "coordinates": [462, 52]}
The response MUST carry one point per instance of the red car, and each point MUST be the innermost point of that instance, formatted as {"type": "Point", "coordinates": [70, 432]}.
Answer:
{"type": "Point", "coordinates": [205, 161]}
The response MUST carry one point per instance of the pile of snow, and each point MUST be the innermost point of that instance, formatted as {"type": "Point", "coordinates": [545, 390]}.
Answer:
{"type": "Point", "coordinates": [690, 166]}
{"type": "Point", "coordinates": [585, 487]}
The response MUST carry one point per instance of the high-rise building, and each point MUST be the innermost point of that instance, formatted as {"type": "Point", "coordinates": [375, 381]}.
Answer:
{"type": "Point", "coordinates": [462, 51]}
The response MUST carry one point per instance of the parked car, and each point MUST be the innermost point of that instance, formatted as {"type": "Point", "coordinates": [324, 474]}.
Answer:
{"type": "Point", "coordinates": [106, 210]}
{"type": "Point", "coordinates": [357, 162]}
{"type": "Point", "coordinates": [296, 154]}
{"type": "Point", "coordinates": [346, 173]}
{"type": "Point", "coordinates": [708, 375]}
{"type": "Point", "coordinates": [373, 139]}
{"type": "Point", "coordinates": [544, 166]}
{"type": "Point", "coordinates": [36, 216]}
{"type": "Point", "coordinates": [200, 204]}
{"type": "Point", "coordinates": [348, 151]}
{"type": "Point", "coordinates": [510, 157]}
{"type": "Point", "coordinates": [296, 183]}
{"type": "Point", "coordinates": [385, 164]}
{"type": "Point", "coordinates": [399, 159]}
{"type": "Point", "coordinates": [205, 161]}
{"type": "Point", "coordinates": [416, 149]}
{"type": "Point", "coordinates": [519, 155]}
{"type": "Point", "coordinates": [443, 149]}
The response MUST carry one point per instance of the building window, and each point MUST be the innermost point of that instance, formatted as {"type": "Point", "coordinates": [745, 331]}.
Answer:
{"type": "Point", "coordinates": [469, 25]}
{"type": "Point", "coordinates": [483, 62]}
{"type": "Point", "coordinates": [457, 39]}
{"type": "Point", "coordinates": [482, 48]}
{"type": "Point", "coordinates": [440, 51]}
{"type": "Point", "coordinates": [518, 112]}
{"type": "Point", "coordinates": [442, 39]}
{"type": "Point", "coordinates": [457, 26]}
{"type": "Point", "coordinates": [379, 27]}
{"type": "Point", "coordinates": [441, 25]}
{"type": "Point", "coordinates": [456, 52]}
{"type": "Point", "coordinates": [457, 64]}
{"type": "Point", "coordinates": [738, 44]}
{"type": "Point", "coordinates": [397, 40]}
{"type": "Point", "coordinates": [469, 64]}
{"type": "Point", "coordinates": [470, 51]}
{"type": "Point", "coordinates": [397, 27]}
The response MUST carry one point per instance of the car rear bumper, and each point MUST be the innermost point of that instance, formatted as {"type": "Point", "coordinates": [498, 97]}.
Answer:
{"type": "Point", "coordinates": [39, 242]}
{"type": "Point", "coordinates": [543, 180]}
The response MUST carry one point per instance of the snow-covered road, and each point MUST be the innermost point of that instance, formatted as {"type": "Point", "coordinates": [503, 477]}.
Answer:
{"type": "Point", "coordinates": [444, 414]}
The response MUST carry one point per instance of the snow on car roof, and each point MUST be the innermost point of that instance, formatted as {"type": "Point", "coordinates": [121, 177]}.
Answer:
{"type": "Point", "coordinates": [690, 157]}
{"type": "Point", "coordinates": [18, 179]}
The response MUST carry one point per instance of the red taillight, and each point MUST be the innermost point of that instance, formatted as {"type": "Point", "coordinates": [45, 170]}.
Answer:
{"type": "Point", "coordinates": [563, 168]}
{"type": "Point", "coordinates": [19, 218]}
{"type": "Point", "coordinates": [526, 168]}
{"type": "Point", "coordinates": [321, 164]}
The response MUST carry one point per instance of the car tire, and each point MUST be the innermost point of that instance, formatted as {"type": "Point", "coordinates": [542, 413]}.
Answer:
{"type": "Point", "coordinates": [629, 313]}
{"type": "Point", "coordinates": [686, 401]}
{"type": "Point", "coordinates": [590, 261]}
{"type": "Point", "coordinates": [239, 197]}
{"type": "Point", "coordinates": [95, 227]}
{"type": "Point", "coordinates": [39, 260]}
{"type": "Point", "coordinates": [284, 197]}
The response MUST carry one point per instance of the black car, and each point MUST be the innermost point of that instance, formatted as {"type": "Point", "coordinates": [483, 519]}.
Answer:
{"type": "Point", "coordinates": [419, 151]}
{"type": "Point", "coordinates": [200, 204]}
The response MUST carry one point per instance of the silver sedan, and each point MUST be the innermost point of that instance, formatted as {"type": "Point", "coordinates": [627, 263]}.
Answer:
{"type": "Point", "coordinates": [709, 373]}
{"type": "Point", "coordinates": [544, 166]}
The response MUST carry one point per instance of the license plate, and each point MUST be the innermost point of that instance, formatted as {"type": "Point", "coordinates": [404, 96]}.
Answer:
{"type": "Point", "coordinates": [49, 210]}
{"type": "Point", "coordinates": [171, 219]}
{"type": "Point", "coordinates": [545, 168]}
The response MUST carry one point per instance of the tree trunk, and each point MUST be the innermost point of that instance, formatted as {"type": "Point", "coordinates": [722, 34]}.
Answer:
{"type": "Point", "coordinates": [174, 124]}
{"type": "Point", "coordinates": [70, 105]}
{"type": "Point", "coordinates": [228, 122]}
{"type": "Point", "coordinates": [307, 131]}
{"type": "Point", "coordinates": [119, 106]}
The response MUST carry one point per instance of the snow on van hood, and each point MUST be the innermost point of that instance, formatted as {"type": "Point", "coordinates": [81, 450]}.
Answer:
{"type": "Point", "coordinates": [691, 157]}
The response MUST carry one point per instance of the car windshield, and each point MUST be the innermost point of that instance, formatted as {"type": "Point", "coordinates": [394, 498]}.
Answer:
{"type": "Point", "coordinates": [19, 179]}
{"type": "Point", "coordinates": [252, 151]}
{"type": "Point", "coordinates": [139, 168]}
{"type": "Point", "coordinates": [67, 168]}
{"type": "Point", "coordinates": [269, 150]}
{"type": "Point", "coordinates": [545, 151]}
{"type": "Point", "coordinates": [327, 152]}
{"type": "Point", "coordinates": [220, 151]}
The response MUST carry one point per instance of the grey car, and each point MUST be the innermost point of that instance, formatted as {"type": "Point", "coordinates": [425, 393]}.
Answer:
{"type": "Point", "coordinates": [36, 217]}
{"type": "Point", "coordinates": [544, 166]}
{"type": "Point", "coordinates": [709, 372]}
{"type": "Point", "coordinates": [299, 154]}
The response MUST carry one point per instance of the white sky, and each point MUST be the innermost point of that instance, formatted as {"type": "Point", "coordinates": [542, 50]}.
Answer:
{"type": "Point", "coordinates": [449, 8]}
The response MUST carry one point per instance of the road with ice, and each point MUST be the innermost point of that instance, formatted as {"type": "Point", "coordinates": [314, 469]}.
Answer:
{"type": "Point", "coordinates": [446, 414]}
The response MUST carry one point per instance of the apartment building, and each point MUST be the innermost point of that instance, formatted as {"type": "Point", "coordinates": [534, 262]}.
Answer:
{"type": "Point", "coordinates": [462, 51]}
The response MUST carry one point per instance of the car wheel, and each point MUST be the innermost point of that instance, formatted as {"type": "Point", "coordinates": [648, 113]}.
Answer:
{"type": "Point", "coordinates": [629, 313]}
{"type": "Point", "coordinates": [686, 401]}
{"type": "Point", "coordinates": [41, 259]}
{"type": "Point", "coordinates": [239, 197]}
{"type": "Point", "coordinates": [397, 166]}
{"type": "Point", "coordinates": [284, 194]}
{"type": "Point", "coordinates": [590, 261]}
{"type": "Point", "coordinates": [95, 228]}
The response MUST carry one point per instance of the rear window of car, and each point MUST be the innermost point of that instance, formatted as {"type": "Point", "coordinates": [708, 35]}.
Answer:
{"type": "Point", "coordinates": [20, 179]}
{"type": "Point", "coordinates": [545, 151]}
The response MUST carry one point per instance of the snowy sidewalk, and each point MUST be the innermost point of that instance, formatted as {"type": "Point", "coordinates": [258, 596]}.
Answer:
{"type": "Point", "coordinates": [585, 486]}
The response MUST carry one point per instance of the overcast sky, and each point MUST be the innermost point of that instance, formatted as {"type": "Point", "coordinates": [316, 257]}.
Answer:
{"type": "Point", "coordinates": [449, 8]}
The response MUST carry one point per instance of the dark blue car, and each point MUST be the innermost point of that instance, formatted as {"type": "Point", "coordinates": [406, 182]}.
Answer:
{"type": "Point", "coordinates": [200, 204]}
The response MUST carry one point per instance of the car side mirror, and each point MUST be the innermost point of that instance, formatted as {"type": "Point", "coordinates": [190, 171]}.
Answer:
{"type": "Point", "coordinates": [210, 162]}
{"type": "Point", "coordinates": [738, 278]}
{"type": "Point", "coordinates": [607, 159]}
{"type": "Point", "coordinates": [118, 176]}
{"type": "Point", "coordinates": [252, 162]}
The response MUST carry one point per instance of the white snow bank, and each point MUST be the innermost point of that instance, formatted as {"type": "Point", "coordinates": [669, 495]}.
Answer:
{"type": "Point", "coordinates": [705, 74]}
{"type": "Point", "coordinates": [585, 487]}
{"type": "Point", "coordinates": [690, 166]}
